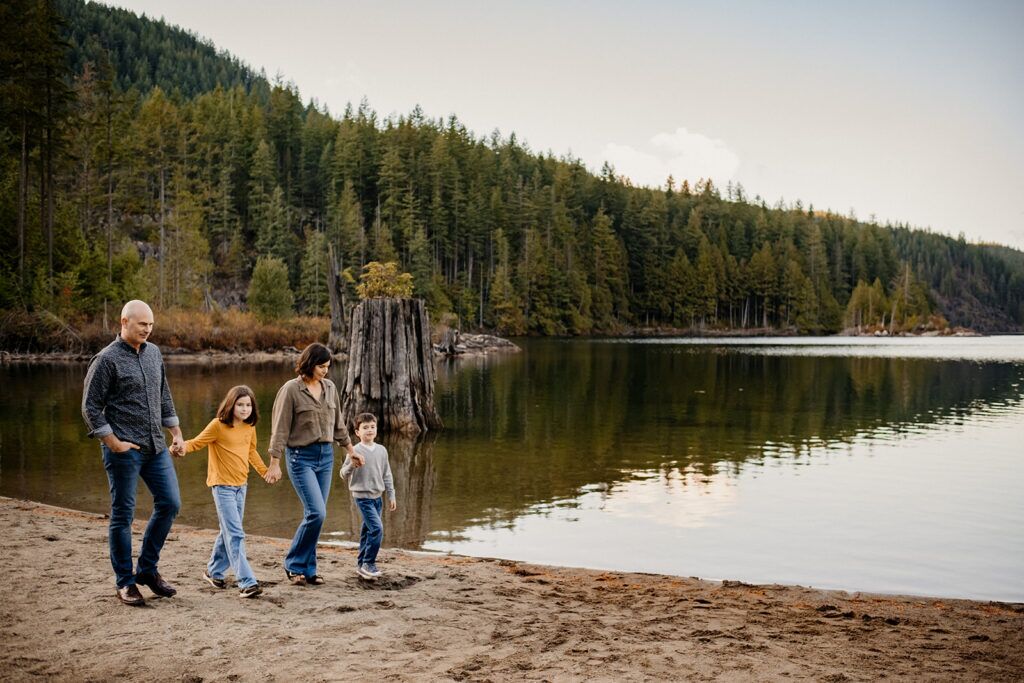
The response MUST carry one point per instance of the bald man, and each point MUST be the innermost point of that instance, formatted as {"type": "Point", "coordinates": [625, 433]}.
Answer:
{"type": "Point", "coordinates": [126, 404]}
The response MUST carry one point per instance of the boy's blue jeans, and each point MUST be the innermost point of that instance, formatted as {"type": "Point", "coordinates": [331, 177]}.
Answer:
{"type": "Point", "coordinates": [229, 548]}
{"type": "Point", "coordinates": [123, 472]}
{"type": "Point", "coordinates": [372, 532]}
{"type": "Point", "coordinates": [310, 469]}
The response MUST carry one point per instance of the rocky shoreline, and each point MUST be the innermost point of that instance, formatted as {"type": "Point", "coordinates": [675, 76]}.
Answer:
{"type": "Point", "coordinates": [471, 344]}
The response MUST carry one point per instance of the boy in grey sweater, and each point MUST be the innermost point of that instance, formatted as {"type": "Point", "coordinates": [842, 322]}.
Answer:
{"type": "Point", "coordinates": [366, 483]}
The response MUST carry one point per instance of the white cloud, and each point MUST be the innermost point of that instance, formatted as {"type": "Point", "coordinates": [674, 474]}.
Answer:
{"type": "Point", "coordinates": [347, 80]}
{"type": "Point", "coordinates": [685, 499]}
{"type": "Point", "coordinates": [682, 154]}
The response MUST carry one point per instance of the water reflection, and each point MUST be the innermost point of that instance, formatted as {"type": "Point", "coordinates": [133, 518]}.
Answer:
{"type": "Point", "coordinates": [543, 425]}
{"type": "Point", "coordinates": [939, 515]}
{"type": "Point", "coordinates": [413, 470]}
{"type": "Point", "coordinates": [659, 434]}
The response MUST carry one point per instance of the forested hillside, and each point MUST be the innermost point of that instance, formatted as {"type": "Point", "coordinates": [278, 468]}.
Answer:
{"type": "Point", "coordinates": [138, 161]}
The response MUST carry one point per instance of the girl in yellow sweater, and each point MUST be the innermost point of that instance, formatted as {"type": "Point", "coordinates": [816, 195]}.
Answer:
{"type": "Point", "coordinates": [231, 436]}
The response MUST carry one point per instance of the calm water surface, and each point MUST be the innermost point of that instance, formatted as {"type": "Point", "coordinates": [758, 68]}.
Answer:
{"type": "Point", "coordinates": [863, 464]}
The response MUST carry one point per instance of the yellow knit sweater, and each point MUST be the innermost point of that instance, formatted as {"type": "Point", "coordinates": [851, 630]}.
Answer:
{"type": "Point", "coordinates": [232, 450]}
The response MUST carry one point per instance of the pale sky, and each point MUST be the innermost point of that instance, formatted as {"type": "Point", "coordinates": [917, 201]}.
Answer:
{"type": "Point", "coordinates": [909, 111]}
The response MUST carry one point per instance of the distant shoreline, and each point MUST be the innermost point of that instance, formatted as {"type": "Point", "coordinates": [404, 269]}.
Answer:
{"type": "Point", "coordinates": [475, 345]}
{"type": "Point", "coordinates": [177, 356]}
{"type": "Point", "coordinates": [771, 332]}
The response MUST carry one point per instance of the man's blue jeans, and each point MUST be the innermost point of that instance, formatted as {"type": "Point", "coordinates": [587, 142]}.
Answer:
{"type": "Point", "coordinates": [372, 532]}
{"type": "Point", "coordinates": [310, 469]}
{"type": "Point", "coordinates": [229, 548]}
{"type": "Point", "coordinates": [123, 472]}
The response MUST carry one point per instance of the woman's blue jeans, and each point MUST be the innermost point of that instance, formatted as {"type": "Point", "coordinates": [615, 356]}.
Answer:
{"type": "Point", "coordinates": [310, 469]}
{"type": "Point", "coordinates": [229, 548]}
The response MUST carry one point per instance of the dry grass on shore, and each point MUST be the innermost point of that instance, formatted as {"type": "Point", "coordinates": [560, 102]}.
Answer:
{"type": "Point", "coordinates": [228, 330]}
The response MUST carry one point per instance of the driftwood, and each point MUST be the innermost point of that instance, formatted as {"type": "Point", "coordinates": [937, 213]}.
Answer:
{"type": "Point", "coordinates": [450, 342]}
{"type": "Point", "coordinates": [458, 344]}
{"type": "Point", "coordinates": [390, 366]}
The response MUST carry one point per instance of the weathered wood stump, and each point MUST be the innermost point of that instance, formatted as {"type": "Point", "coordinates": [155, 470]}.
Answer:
{"type": "Point", "coordinates": [450, 342]}
{"type": "Point", "coordinates": [390, 366]}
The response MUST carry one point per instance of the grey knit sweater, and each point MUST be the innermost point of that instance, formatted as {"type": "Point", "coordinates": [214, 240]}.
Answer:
{"type": "Point", "coordinates": [374, 477]}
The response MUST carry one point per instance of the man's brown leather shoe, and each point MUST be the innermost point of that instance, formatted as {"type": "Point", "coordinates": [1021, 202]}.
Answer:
{"type": "Point", "coordinates": [130, 595]}
{"type": "Point", "coordinates": [156, 583]}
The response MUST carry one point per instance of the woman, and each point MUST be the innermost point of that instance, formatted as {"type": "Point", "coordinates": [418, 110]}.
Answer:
{"type": "Point", "coordinates": [306, 419]}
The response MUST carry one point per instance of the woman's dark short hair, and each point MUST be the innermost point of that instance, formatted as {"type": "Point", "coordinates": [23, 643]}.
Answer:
{"type": "Point", "coordinates": [226, 411]}
{"type": "Point", "coordinates": [313, 355]}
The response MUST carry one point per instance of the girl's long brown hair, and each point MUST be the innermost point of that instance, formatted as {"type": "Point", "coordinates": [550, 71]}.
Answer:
{"type": "Point", "coordinates": [226, 411]}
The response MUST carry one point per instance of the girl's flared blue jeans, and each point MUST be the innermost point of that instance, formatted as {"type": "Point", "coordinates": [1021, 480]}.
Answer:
{"type": "Point", "coordinates": [229, 548]}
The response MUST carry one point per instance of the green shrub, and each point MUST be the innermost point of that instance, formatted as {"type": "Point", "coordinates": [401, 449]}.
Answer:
{"type": "Point", "coordinates": [270, 297]}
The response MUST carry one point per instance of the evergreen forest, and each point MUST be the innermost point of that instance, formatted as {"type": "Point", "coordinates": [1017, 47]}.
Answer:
{"type": "Point", "coordinates": [137, 160]}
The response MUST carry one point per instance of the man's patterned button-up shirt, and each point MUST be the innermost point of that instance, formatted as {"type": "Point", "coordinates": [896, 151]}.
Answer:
{"type": "Point", "coordinates": [126, 394]}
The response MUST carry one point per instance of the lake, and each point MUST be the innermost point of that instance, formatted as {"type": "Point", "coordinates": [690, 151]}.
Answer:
{"type": "Point", "coordinates": [883, 465]}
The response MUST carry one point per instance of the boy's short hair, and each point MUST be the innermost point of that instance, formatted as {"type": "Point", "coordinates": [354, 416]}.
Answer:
{"type": "Point", "coordinates": [365, 417]}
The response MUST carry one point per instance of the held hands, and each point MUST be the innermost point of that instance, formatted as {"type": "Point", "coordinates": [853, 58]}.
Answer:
{"type": "Point", "coordinates": [177, 443]}
{"type": "Point", "coordinates": [273, 474]}
{"type": "Point", "coordinates": [357, 460]}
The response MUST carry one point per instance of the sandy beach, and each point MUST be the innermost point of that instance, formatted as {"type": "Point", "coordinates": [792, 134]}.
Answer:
{"type": "Point", "coordinates": [436, 617]}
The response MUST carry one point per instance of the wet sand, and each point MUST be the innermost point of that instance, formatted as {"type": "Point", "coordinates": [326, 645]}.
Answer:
{"type": "Point", "coordinates": [437, 617]}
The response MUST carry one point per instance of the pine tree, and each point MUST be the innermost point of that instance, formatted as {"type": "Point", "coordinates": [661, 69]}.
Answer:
{"type": "Point", "coordinates": [313, 293]}
{"type": "Point", "coordinates": [761, 275]}
{"type": "Point", "coordinates": [157, 134]}
{"type": "Point", "coordinates": [346, 229]}
{"type": "Point", "coordinates": [705, 283]}
{"type": "Point", "coordinates": [261, 190]}
{"type": "Point", "coordinates": [421, 265]}
{"type": "Point", "coordinates": [223, 218]}
{"type": "Point", "coordinates": [504, 301]}
{"type": "Point", "coordinates": [188, 259]}
{"type": "Point", "coordinates": [683, 290]}
{"type": "Point", "coordinates": [274, 236]}
{"type": "Point", "coordinates": [609, 304]}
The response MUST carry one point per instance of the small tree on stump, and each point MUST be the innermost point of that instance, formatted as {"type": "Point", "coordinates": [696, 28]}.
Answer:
{"type": "Point", "coordinates": [390, 362]}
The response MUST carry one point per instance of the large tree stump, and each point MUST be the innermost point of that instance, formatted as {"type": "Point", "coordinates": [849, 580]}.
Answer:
{"type": "Point", "coordinates": [390, 366]}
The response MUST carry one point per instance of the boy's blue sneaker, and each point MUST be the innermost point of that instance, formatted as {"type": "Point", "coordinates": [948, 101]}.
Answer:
{"type": "Point", "coordinates": [372, 568]}
{"type": "Point", "coordinates": [368, 571]}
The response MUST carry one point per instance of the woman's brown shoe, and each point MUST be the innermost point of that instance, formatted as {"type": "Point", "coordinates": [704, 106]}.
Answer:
{"type": "Point", "coordinates": [295, 579]}
{"type": "Point", "coordinates": [315, 580]}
